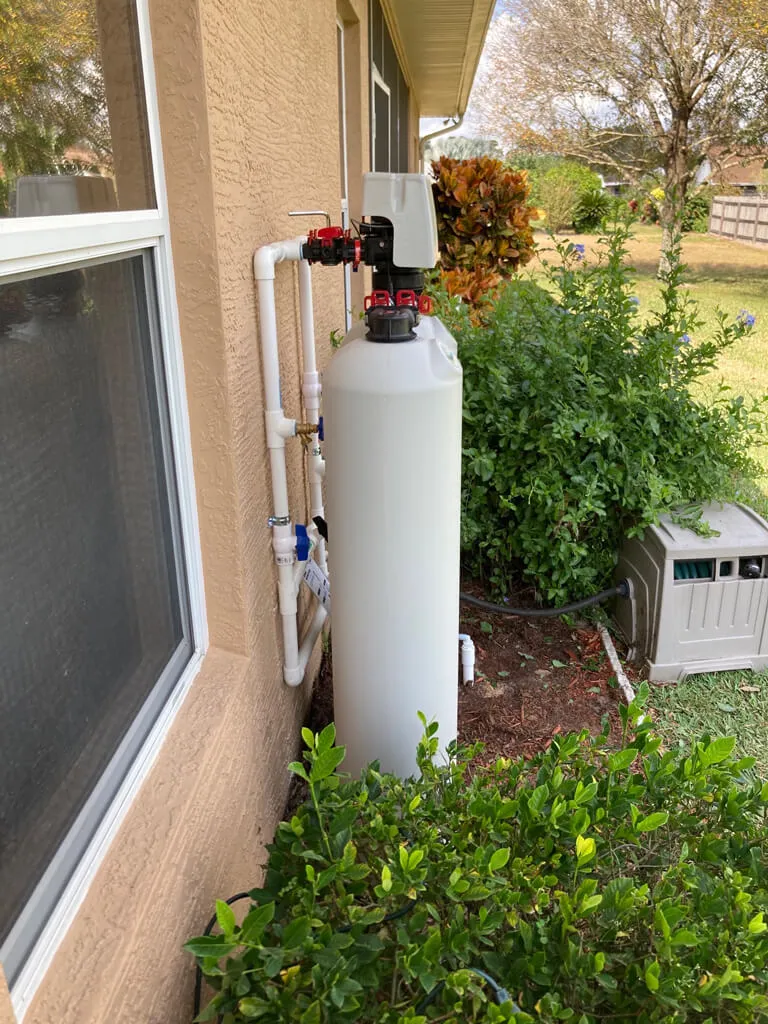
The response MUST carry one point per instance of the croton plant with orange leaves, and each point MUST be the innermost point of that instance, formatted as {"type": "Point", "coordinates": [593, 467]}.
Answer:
{"type": "Point", "coordinates": [483, 223]}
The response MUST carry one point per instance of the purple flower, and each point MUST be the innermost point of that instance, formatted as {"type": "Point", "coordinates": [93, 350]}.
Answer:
{"type": "Point", "coordinates": [579, 250]}
{"type": "Point", "coordinates": [747, 318]}
{"type": "Point", "coordinates": [634, 300]}
{"type": "Point", "coordinates": [686, 339]}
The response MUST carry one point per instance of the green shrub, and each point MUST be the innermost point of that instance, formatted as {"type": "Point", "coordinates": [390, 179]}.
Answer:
{"type": "Point", "coordinates": [592, 207]}
{"type": "Point", "coordinates": [559, 198]}
{"type": "Point", "coordinates": [582, 422]}
{"type": "Point", "coordinates": [561, 190]}
{"type": "Point", "coordinates": [483, 223]}
{"type": "Point", "coordinates": [583, 885]}
{"type": "Point", "coordinates": [535, 166]}
{"type": "Point", "coordinates": [696, 209]}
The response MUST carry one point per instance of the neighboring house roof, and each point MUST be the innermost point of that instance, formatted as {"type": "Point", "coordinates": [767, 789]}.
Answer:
{"type": "Point", "coordinates": [738, 170]}
{"type": "Point", "coordinates": [439, 43]}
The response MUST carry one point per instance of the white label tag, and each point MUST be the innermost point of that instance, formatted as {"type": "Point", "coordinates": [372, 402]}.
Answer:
{"type": "Point", "coordinates": [318, 583]}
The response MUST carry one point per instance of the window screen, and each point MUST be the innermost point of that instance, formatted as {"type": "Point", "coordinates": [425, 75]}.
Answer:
{"type": "Point", "coordinates": [94, 627]}
{"type": "Point", "coordinates": [390, 104]}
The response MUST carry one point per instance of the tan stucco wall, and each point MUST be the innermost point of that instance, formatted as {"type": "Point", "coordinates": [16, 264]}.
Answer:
{"type": "Point", "coordinates": [248, 105]}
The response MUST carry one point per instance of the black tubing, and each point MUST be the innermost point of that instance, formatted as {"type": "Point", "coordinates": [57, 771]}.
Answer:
{"type": "Point", "coordinates": [198, 971]}
{"type": "Point", "coordinates": [620, 590]}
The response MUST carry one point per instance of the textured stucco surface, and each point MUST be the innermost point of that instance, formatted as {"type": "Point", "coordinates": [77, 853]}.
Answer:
{"type": "Point", "coordinates": [249, 118]}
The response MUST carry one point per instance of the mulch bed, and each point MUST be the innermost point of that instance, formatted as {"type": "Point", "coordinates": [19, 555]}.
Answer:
{"type": "Point", "coordinates": [534, 679]}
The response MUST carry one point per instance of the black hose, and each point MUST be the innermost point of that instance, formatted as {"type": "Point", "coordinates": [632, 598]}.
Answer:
{"type": "Point", "coordinates": [620, 590]}
{"type": "Point", "coordinates": [198, 972]}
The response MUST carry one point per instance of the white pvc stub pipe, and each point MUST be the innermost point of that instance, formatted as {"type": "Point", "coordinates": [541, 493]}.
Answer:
{"type": "Point", "coordinates": [467, 658]}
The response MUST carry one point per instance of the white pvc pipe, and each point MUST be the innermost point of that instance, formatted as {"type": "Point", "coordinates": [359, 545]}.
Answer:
{"type": "Point", "coordinates": [278, 427]}
{"type": "Point", "coordinates": [467, 658]}
{"type": "Point", "coordinates": [311, 392]}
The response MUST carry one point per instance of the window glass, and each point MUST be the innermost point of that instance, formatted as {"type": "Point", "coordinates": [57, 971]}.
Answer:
{"type": "Point", "coordinates": [73, 124]}
{"type": "Point", "coordinates": [93, 600]}
{"type": "Point", "coordinates": [382, 138]}
{"type": "Point", "coordinates": [389, 105]}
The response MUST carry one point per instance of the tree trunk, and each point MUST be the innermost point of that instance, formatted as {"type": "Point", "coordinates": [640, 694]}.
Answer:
{"type": "Point", "coordinates": [677, 177]}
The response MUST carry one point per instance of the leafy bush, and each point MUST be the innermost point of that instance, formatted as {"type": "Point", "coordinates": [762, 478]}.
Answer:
{"type": "Point", "coordinates": [559, 197]}
{"type": "Point", "coordinates": [696, 209]}
{"type": "Point", "coordinates": [592, 207]}
{"type": "Point", "coordinates": [483, 222]}
{"type": "Point", "coordinates": [561, 190]}
{"type": "Point", "coordinates": [582, 421]}
{"type": "Point", "coordinates": [535, 166]}
{"type": "Point", "coordinates": [583, 885]}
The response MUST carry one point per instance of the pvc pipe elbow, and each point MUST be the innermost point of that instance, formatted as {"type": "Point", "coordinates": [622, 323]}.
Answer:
{"type": "Point", "coordinates": [293, 676]}
{"type": "Point", "coordinates": [265, 258]}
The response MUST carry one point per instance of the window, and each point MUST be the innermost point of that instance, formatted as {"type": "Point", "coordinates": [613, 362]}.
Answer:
{"type": "Point", "coordinates": [389, 99]}
{"type": "Point", "coordinates": [102, 621]}
{"type": "Point", "coordinates": [344, 161]}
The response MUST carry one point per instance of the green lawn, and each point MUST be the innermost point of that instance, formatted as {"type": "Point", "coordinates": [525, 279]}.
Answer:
{"type": "Point", "coordinates": [730, 276]}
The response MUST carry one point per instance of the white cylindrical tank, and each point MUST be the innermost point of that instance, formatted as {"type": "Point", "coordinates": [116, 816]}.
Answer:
{"type": "Point", "coordinates": [392, 415]}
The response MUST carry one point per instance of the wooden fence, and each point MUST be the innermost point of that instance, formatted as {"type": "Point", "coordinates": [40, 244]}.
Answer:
{"type": "Point", "coordinates": [744, 218]}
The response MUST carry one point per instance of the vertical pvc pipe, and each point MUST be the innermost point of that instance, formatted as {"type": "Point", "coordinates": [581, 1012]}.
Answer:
{"type": "Point", "coordinates": [311, 391]}
{"type": "Point", "coordinates": [295, 658]}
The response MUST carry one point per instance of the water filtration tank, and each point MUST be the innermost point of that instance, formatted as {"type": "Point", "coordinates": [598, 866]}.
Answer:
{"type": "Point", "coordinates": [392, 412]}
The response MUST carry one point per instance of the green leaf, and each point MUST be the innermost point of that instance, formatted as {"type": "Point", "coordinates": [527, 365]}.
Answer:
{"type": "Point", "coordinates": [652, 821]}
{"type": "Point", "coordinates": [486, 627]}
{"type": "Point", "coordinates": [718, 750]}
{"type": "Point", "coordinates": [309, 738]}
{"type": "Point", "coordinates": [326, 763]}
{"type": "Point", "coordinates": [403, 855]}
{"type": "Point", "coordinates": [225, 917]}
{"type": "Point", "coordinates": [685, 937]}
{"type": "Point", "coordinates": [499, 859]}
{"type": "Point", "coordinates": [298, 769]}
{"type": "Point", "coordinates": [386, 878]}
{"type": "Point", "coordinates": [250, 1007]}
{"type": "Point", "coordinates": [255, 923]}
{"type": "Point", "coordinates": [296, 932]}
{"type": "Point", "coordinates": [757, 926]}
{"type": "Point", "coordinates": [210, 945]}
{"type": "Point", "coordinates": [652, 976]}
{"type": "Point", "coordinates": [414, 859]}
{"type": "Point", "coordinates": [313, 1013]}
{"type": "Point", "coordinates": [585, 849]}
{"type": "Point", "coordinates": [538, 799]}
{"type": "Point", "coordinates": [622, 759]}
{"type": "Point", "coordinates": [327, 738]}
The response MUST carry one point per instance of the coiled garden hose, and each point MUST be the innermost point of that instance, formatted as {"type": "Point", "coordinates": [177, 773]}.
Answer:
{"type": "Point", "coordinates": [620, 590]}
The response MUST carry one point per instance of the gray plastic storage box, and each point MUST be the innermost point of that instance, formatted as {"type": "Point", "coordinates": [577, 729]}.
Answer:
{"type": "Point", "coordinates": [698, 604]}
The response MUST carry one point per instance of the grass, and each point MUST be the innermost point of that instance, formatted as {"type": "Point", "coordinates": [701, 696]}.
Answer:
{"type": "Point", "coordinates": [718, 703]}
{"type": "Point", "coordinates": [730, 276]}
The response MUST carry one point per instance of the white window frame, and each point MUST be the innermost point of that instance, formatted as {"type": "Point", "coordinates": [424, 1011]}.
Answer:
{"type": "Point", "coordinates": [39, 243]}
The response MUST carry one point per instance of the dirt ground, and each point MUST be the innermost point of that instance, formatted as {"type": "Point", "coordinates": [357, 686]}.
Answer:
{"type": "Point", "coordinates": [534, 679]}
